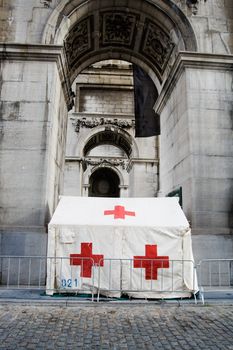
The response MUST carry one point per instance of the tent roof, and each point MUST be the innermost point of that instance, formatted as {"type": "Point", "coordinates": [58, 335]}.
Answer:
{"type": "Point", "coordinates": [91, 211]}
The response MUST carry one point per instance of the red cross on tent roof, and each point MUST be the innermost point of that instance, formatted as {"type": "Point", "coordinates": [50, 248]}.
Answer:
{"type": "Point", "coordinates": [119, 212]}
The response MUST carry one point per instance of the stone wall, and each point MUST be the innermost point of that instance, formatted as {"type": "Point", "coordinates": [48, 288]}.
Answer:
{"type": "Point", "coordinates": [197, 143]}
{"type": "Point", "coordinates": [32, 143]}
{"type": "Point", "coordinates": [143, 179]}
{"type": "Point", "coordinates": [25, 95]}
{"type": "Point", "coordinates": [23, 21]}
{"type": "Point", "coordinates": [210, 105]}
{"type": "Point", "coordinates": [175, 155]}
{"type": "Point", "coordinates": [106, 101]}
{"type": "Point", "coordinates": [212, 21]}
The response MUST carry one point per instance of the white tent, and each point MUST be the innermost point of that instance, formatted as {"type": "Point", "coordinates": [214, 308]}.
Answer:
{"type": "Point", "coordinates": [137, 246]}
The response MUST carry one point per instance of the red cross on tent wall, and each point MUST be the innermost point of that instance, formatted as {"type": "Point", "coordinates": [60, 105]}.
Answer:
{"type": "Point", "coordinates": [119, 212]}
{"type": "Point", "coordinates": [86, 260]}
{"type": "Point", "coordinates": [151, 262]}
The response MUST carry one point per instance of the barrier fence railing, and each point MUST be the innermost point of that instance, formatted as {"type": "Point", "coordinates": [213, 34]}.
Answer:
{"type": "Point", "coordinates": [107, 277]}
{"type": "Point", "coordinates": [115, 277]}
{"type": "Point", "coordinates": [32, 272]}
{"type": "Point", "coordinates": [150, 277]}
{"type": "Point", "coordinates": [22, 272]}
{"type": "Point", "coordinates": [215, 276]}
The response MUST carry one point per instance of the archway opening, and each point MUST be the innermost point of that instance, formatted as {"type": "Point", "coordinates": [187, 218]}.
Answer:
{"type": "Point", "coordinates": [148, 34]}
{"type": "Point", "coordinates": [104, 182]}
{"type": "Point", "coordinates": [101, 133]}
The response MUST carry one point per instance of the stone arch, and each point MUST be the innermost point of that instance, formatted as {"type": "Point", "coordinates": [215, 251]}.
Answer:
{"type": "Point", "coordinates": [109, 135]}
{"type": "Point", "coordinates": [150, 33]}
{"type": "Point", "coordinates": [123, 178]}
{"type": "Point", "coordinates": [120, 137]}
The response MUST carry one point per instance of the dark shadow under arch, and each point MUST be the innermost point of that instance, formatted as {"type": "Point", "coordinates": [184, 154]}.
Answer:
{"type": "Point", "coordinates": [104, 182]}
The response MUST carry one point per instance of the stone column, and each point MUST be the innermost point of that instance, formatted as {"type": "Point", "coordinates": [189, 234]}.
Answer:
{"type": "Point", "coordinates": [33, 117]}
{"type": "Point", "coordinates": [196, 146]}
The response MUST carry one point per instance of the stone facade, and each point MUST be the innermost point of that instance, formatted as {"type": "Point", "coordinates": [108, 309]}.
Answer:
{"type": "Point", "coordinates": [104, 102]}
{"type": "Point", "coordinates": [185, 46]}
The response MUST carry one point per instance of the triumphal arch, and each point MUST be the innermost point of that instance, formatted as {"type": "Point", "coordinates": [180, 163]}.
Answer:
{"type": "Point", "coordinates": [67, 121]}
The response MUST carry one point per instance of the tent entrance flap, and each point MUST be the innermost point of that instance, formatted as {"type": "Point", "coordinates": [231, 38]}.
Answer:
{"type": "Point", "coordinates": [113, 246]}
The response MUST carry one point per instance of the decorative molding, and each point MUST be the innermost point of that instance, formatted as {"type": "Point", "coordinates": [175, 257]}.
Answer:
{"type": "Point", "coordinates": [94, 122]}
{"type": "Point", "coordinates": [30, 52]}
{"type": "Point", "coordinates": [126, 164]}
{"type": "Point", "coordinates": [46, 3]}
{"type": "Point", "coordinates": [79, 41]}
{"type": "Point", "coordinates": [102, 162]}
{"type": "Point", "coordinates": [156, 45]}
{"type": "Point", "coordinates": [118, 28]}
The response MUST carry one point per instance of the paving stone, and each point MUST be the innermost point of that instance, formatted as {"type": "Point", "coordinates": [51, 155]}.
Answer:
{"type": "Point", "coordinates": [116, 327]}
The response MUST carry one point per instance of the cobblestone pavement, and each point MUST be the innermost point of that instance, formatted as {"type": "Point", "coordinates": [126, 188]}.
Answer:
{"type": "Point", "coordinates": [116, 327]}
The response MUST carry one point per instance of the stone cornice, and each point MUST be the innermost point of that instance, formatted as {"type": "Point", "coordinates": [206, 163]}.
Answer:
{"type": "Point", "coordinates": [191, 60]}
{"type": "Point", "coordinates": [28, 52]}
{"type": "Point", "coordinates": [44, 53]}
{"type": "Point", "coordinates": [77, 115]}
{"type": "Point", "coordinates": [126, 163]}
{"type": "Point", "coordinates": [133, 160]}
{"type": "Point", "coordinates": [94, 122]}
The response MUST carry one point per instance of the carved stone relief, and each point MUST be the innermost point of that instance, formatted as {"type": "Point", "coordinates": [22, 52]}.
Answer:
{"type": "Point", "coordinates": [79, 40]}
{"type": "Point", "coordinates": [118, 28]}
{"type": "Point", "coordinates": [94, 122]}
{"type": "Point", "coordinates": [157, 45]}
{"type": "Point", "coordinates": [193, 5]}
{"type": "Point", "coordinates": [107, 162]}
{"type": "Point", "coordinates": [46, 3]}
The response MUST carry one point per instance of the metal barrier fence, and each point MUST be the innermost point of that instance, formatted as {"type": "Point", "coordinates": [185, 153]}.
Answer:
{"type": "Point", "coordinates": [147, 278]}
{"type": "Point", "coordinates": [108, 277]}
{"type": "Point", "coordinates": [31, 272]}
{"type": "Point", "coordinates": [20, 272]}
{"type": "Point", "coordinates": [215, 276]}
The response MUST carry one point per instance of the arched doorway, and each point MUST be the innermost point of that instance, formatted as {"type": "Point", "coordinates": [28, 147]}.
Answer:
{"type": "Point", "coordinates": [106, 155]}
{"type": "Point", "coordinates": [104, 182]}
{"type": "Point", "coordinates": [146, 33]}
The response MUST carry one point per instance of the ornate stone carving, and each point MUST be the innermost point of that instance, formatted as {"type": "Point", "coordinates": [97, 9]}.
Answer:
{"type": "Point", "coordinates": [94, 122]}
{"type": "Point", "coordinates": [107, 162]}
{"type": "Point", "coordinates": [193, 5]}
{"type": "Point", "coordinates": [156, 44]}
{"type": "Point", "coordinates": [46, 3]}
{"type": "Point", "coordinates": [118, 28]}
{"type": "Point", "coordinates": [79, 40]}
